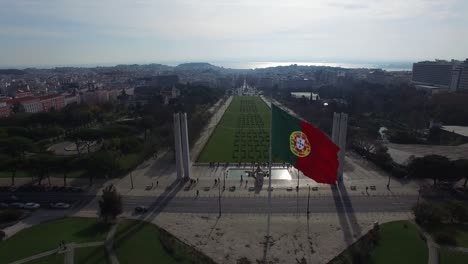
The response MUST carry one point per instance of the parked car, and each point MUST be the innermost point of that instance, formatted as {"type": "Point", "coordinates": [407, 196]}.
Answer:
{"type": "Point", "coordinates": [3, 205]}
{"type": "Point", "coordinates": [31, 206]}
{"type": "Point", "coordinates": [141, 209]}
{"type": "Point", "coordinates": [16, 205]}
{"type": "Point", "coordinates": [59, 205]}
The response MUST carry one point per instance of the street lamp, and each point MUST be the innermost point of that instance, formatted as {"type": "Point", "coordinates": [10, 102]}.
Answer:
{"type": "Point", "coordinates": [224, 182]}
{"type": "Point", "coordinates": [308, 202]}
{"type": "Point", "coordinates": [219, 199]}
{"type": "Point", "coordinates": [419, 194]}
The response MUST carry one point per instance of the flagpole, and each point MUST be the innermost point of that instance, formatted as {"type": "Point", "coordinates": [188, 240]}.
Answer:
{"type": "Point", "coordinates": [269, 165]}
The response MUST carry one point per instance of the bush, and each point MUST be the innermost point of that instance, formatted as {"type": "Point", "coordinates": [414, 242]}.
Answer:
{"type": "Point", "coordinates": [444, 238]}
{"type": "Point", "coordinates": [10, 215]}
{"type": "Point", "coordinates": [429, 214]}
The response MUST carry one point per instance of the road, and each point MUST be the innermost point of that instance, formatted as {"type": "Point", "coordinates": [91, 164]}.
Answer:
{"type": "Point", "coordinates": [239, 205]}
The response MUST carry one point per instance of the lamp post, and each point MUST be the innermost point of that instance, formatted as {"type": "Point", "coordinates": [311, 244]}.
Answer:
{"type": "Point", "coordinates": [224, 182]}
{"type": "Point", "coordinates": [419, 194]}
{"type": "Point", "coordinates": [219, 200]}
{"type": "Point", "coordinates": [308, 202]}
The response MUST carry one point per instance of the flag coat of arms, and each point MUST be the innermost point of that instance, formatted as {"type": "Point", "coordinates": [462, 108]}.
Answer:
{"type": "Point", "coordinates": [304, 146]}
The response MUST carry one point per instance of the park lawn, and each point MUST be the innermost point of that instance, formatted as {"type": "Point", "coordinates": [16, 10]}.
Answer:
{"type": "Point", "coordinates": [459, 231]}
{"type": "Point", "coordinates": [397, 244]}
{"type": "Point", "coordinates": [48, 235]}
{"type": "Point", "coordinates": [140, 242]}
{"type": "Point", "coordinates": [19, 174]}
{"type": "Point", "coordinates": [51, 259]}
{"type": "Point", "coordinates": [91, 255]}
{"type": "Point", "coordinates": [400, 245]}
{"type": "Point", "coordinates": [447, 256]}
{"type": "Point", "coordinates": [129, 161]}
{"type": "Point", "coordinates": [221, 145]}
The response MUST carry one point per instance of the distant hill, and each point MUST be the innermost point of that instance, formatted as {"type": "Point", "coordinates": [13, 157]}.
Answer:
{"type": "Point", "coordinates": [197, 66]}
{"type": "Point", "coordinates": [12, 72]}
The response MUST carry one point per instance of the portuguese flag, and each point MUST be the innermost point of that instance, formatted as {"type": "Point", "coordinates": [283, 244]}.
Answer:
{"type": "Point", "coordinates": [304, 146]}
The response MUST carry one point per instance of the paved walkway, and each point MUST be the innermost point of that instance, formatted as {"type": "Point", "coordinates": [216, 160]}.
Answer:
{"type": "Point", "coordinates": [69, 252]}
{"type": "Point", "coordinates": [110, 245]}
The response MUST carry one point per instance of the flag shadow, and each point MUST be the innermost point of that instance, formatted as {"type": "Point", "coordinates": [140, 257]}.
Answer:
{"type": "Point", "coordinates": [346, 213]}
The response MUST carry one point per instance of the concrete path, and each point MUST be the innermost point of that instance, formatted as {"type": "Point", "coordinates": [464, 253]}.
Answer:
{"type": "Point", "coordinates": [40, 255]}
{"type": "Point", "coordinates": [70, 254]}
{"type": "Point", "coordinates": [433, 249]}
{"type": "Point", "coordinates": [110, 245]}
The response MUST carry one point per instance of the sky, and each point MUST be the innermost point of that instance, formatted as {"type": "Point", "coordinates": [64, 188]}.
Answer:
{"type": "Point", "coordinates": [106, 32]}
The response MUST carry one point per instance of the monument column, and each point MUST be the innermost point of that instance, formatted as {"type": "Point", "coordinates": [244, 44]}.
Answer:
{"type": "Point", "coordinates": [185, 146]}
{"type": "Point", "coordinates": [178, 145]}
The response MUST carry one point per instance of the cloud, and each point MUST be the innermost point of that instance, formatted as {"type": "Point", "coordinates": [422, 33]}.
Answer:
{"type": "Point", "coordinates": [190, 28]}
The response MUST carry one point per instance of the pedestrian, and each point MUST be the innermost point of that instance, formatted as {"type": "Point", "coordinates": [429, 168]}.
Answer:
{"type": "Point", "coordinates": [152, 184]}
{"type": "Point", "coordinates": [246, 182]}
{"type": "Point", "coordinates": [197, 179]}
{"type": "Point", "coordinates": [157, 183]}
{"type": "Point", "coordinates": [241, 178]}
{"type": "Point", "coordinates": [198, 192]}
{"type": "Point", "coordinates": [215, 182]}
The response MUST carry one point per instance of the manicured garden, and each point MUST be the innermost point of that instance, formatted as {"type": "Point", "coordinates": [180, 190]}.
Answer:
{"type": "Point", "coordinates": [140, 242]}
{"type": "Point", "coordinates": [400, 242]}
{"type": "Point", "coordinates": [47, 237]}
{"type": "Point", "coordinates": [91, 255]}
{"type": "Point", "coordinates": [242, 135]}
{"type": "Point", "coordinates": [134, 242]}
{"type": "Point", "coordinates": [447, 256]}
{"type": "Point", "coordinates": [393, 242]}
{"type": "Point", "coordinates": [459, 232]}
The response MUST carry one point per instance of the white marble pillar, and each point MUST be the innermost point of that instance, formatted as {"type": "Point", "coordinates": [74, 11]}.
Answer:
{"type": "Point", "coordinates": [185, 146]}
{"type": "Point", "coordinates": [178, 145]}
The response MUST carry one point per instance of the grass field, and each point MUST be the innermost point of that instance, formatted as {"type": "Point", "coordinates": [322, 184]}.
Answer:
{"type": "Point", "coordinates": [91, 255]}
{"type": "Point", "coordinates": [458, 231]}
{"type": "Point", "coordinates": [47, 236]}
{"type": "Point", "coordinates": [135, 242]}
{"type": "Point", "coordinates": [447, 256]}
{"type": "Point", "coordinates": [51, 259]}
{"type": "Point", "coordinates": [142, 243]}
{"type": "Point", "coordinates": [400, 242]}
{"type": "Point", "coordinates": [242, 135]}
{"type": "Point", "coordinates": [400, 245]}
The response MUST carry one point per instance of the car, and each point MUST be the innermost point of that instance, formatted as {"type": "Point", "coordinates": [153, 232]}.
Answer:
{"type": "Point", "coordinates": [3, 205]}
{"type": "Point", "coordinates": [16, 205]}
{"type": "Point", "coordinates": [59, 205]}
{"type": "Point", "coordinates": [31, 206]}
{"type": "Point", "coordinates": [141, 209]}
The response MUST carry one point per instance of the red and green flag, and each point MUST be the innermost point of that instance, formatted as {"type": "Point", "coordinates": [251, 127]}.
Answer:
{"type": "Point", "coordinates": [304, 146]}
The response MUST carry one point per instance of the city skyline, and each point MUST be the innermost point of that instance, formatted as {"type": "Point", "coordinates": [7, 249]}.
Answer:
{"type": "Point", "coordinates": [50, 33]}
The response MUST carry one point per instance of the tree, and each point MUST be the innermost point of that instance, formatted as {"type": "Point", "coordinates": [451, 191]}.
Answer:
{"type": "Point", "coordinates": [42, 164]}
{"type": "Point", "coordinates": [16, 147]}
{"type": "Point", "coordinates": [102, 163]}
{"type": "Point", "coordinates": [110, 204]}
{"type": "Point", "coordinates": [461, 169]}
{"type": "Point", "coordinates": [147, 123]}
{"type": "Point", "coordinates": [458, 211]}
{"type": "Point", "coordinates": [429, 214]}
{"type": "Point", "coordinates": [431, 166]}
